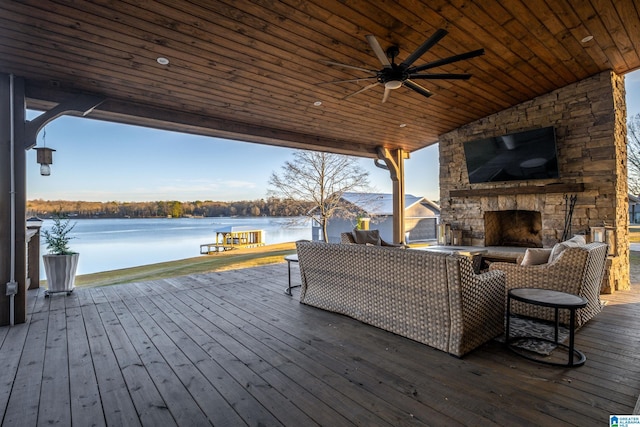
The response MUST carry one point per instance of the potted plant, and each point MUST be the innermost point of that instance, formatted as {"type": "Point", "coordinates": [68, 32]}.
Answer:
{"type": "Point", "coordinates": [61, 263]}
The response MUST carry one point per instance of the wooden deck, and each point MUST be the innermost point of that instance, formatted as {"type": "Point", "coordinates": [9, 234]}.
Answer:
{"type": "Point", "coordinates": [232, 349]}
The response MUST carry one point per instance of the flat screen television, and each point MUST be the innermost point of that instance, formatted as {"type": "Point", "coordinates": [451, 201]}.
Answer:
{"type": "Point", "coordinates": [514, 157]}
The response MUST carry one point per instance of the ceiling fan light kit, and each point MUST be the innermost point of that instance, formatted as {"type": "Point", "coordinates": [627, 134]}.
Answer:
{"type": "Point", "coordinates": [393, 76]}
{"type": "Point", "coordinates": [393, 84]}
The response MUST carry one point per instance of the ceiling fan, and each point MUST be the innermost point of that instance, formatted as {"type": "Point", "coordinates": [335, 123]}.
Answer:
{"type": "Point", "coordinates": [394, 76]}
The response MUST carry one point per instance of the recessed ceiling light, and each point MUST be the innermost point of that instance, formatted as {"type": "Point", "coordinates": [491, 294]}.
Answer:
{"type": "Point", "coordinates": [317, 103]}
{"type": "Point", "coordinates": [587, 39]}
{"type": "Point", "coordinates": [403, 125]}
{"type": "Point", "coordinates": [162, 60]}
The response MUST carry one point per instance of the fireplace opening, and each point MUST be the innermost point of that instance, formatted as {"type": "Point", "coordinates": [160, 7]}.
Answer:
{"type": "Point", "coordinates": [513, 228]}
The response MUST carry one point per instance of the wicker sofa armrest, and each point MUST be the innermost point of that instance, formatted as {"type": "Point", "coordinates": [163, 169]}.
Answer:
{"type": "Point", "coordinates": [482, 308]}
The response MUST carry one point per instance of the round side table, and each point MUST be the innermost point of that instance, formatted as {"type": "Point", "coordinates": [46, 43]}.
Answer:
{"type": "Point", "coordinates": [290, 259]}
{"type": "Point", "coordinates": [556, 300]}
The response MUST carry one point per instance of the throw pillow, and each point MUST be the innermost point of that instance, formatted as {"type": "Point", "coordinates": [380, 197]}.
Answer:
{"type": "Point", "coordinates": [556, 251]}
{"type": "Point", "coordinates": [579, 239]}
{"type": "Point", "coordinates": [536, 256]}
{"type": "Point", "coordinates": [362, 237]}
{"type": "Point", "coordinates": [558, 248]}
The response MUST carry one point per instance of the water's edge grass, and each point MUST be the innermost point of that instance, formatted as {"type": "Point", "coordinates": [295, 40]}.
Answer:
{"type": "Point", "coordinates": [234, 259]}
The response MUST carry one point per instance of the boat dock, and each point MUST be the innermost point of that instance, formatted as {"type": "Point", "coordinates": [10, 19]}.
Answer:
{"type": "Point", "coordinates": [228, 238]}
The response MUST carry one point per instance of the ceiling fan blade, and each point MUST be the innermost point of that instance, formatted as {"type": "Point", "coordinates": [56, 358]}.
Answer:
{"type": "Point", "coordinates": [417, 88]}
{"type": "Point", "coordinates": [428, 44]}
{"type": "Point", "coordinates": [387, 91]}
{"type": "Point", "coordinates": [449, 60]}
{"type": "Point", "coordinates": [377, 49]}
{"type": "Point", "coordinates": [361, 90]}
{"type": "Point", "coordinates": [346, 81]}
{"type": "Point", "coordinates": [440, 76]}
{"type": "Point", "coordinates": [349, 66]}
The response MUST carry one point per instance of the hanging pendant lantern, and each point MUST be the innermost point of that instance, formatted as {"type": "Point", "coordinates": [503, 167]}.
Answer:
{"type": "Point", "coordinates": [44, 156]}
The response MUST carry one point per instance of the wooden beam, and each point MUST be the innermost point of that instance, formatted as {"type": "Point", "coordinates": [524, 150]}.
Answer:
{"type": "Point", "coordinates": [82, 104]}
{"type": "Point", "coordinates": [180, 121]}
{"type": "Point", "coordinates": [526, 189]}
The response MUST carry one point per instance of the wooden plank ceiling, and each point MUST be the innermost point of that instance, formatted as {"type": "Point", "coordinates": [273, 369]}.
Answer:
{"type": "Point", "coordinates": [251, 70]}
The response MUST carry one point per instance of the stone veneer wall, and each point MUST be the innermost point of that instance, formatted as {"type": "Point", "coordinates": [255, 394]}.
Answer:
{"type": "Point", "coordinates": [590, 122]}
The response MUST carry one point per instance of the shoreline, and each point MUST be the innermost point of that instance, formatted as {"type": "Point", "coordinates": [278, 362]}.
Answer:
{"type": "Point", "coordinates": [108, 244]}
{"type": "Point", "coordinates": [233, 259]}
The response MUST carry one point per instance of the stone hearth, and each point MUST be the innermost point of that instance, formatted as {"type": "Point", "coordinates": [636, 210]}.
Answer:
{"type": "Point", "coordinates": [513, 228]}
{"type": "Point", "coordinates": [590, 127]}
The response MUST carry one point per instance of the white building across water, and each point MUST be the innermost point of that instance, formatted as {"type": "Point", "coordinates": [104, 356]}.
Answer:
{"type": "Point", "coordinates": [375, 211]}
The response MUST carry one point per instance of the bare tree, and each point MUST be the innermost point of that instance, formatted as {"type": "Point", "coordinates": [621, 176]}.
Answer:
{"type": "Point", "coordinates": [320, 179]}
{"type": "Point", "coordinates": [633, 154]}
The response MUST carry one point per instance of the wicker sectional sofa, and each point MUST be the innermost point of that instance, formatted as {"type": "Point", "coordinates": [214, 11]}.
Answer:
{"type": "Point", "coordinates": [432, 298]}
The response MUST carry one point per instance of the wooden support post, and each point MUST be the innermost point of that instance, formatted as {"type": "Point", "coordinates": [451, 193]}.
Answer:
{"type": "Point", "coordinates": [17, 220]}
{"type": "Point", "coordinates": [24, 138]}
{"type": "Point", "coordinates": [394, 163]}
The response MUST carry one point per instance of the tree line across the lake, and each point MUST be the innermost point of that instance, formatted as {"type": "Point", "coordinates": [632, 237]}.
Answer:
{"type": "Point", "coordinates": [175, 209]}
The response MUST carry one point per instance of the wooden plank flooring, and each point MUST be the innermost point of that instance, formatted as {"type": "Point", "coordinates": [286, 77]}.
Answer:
{"type": "Point", "coordinates": [231, 349]}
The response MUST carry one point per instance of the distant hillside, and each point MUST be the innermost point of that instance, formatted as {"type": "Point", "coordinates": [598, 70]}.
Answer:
{"type": "Point", "coordinates": [81, 209]}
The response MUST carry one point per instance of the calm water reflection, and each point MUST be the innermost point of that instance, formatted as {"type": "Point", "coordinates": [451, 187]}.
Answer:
{"type": "Point", "coordinates": [111, 244]}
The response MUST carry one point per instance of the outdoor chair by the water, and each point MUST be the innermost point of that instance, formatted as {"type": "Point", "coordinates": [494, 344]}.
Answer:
{"type": "Point", "coordinates": [364, 237]}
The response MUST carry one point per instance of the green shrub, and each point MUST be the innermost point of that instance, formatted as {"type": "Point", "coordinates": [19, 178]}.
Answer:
{"type": "Point", "coordinates": [57, 239]}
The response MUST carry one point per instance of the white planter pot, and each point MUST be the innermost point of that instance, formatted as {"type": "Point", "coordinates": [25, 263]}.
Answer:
{"type": "Point", "coordinates": [61, 272]}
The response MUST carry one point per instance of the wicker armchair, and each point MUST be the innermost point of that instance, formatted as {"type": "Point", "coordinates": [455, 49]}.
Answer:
{"type": "Point", "coordinates": [578, 271]}
{"type": "Point", "coordinates": [347, 238]}
{"type": "Point", "coordinates": [432, 298]}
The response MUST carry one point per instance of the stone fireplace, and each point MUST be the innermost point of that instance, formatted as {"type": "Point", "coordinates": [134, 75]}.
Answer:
{"type": "Point", "coordinates": [513, 228]}
{"type": "Point", "coordinates": [590, 125]}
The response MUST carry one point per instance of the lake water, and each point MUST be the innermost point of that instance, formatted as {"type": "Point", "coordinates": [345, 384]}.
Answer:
{"type": "Point", "coordinates": [111, 244]}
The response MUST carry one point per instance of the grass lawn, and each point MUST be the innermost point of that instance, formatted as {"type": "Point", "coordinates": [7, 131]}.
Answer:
{"type": "Point", "coordinates": [237, 258]}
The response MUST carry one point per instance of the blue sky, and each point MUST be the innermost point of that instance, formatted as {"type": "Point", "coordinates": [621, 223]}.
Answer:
{"type": "Point", "coordinates": [101, 161]}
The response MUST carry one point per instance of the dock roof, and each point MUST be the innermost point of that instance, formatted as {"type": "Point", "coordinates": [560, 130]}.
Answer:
{"type": "Point", "coordinates": [236, 229]}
